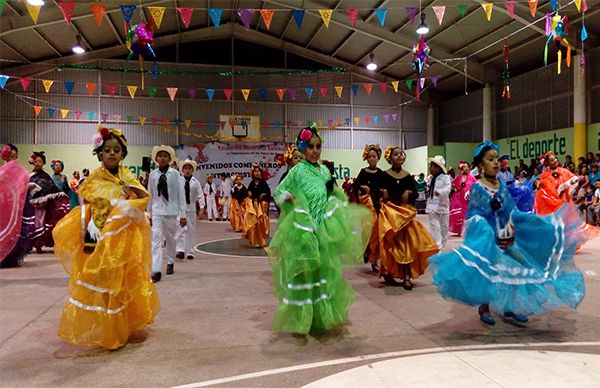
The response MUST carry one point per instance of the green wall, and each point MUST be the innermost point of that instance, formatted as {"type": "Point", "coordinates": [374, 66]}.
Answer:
{"type": "Point", "coordinates": [455, 152]}
{"type": "Point", "coordinates": [535, 145]}
{"type": "Point", "coordinates": [593, 140]}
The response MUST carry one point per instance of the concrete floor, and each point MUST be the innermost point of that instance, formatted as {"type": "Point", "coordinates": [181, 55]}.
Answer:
{"type": "Point", "coordinates": [214, 328]}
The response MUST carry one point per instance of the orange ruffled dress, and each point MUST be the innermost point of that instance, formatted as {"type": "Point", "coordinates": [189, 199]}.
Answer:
{"type": "Point", "coordinates": [256, 219]}
{"type": "Point", "coordinates": [110, 291]}
{"type": "Point", "coordinates": [547, 198]}
{"type": "Point", "coordinates": [402, 239]}
{"type": "Point", "coordinates": [236, 211]}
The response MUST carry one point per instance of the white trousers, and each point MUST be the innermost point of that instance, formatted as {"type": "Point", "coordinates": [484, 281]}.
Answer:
{"type": "Point", "coordinates": [163, 229]}
{"type": "Point", "coordinates": [226, 207]}
{"type": "Point", "coordinates": [184, 236]}
{"type": "Point", "coordinates": [211, 207]}
{"type": "Point", "coordinates": [438, 225]}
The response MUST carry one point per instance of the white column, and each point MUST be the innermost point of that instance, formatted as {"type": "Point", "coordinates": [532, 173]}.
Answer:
{"type": "Point", "coordinates": [430, 126]}
{"type": "Point", "coordinates": [488, 113]}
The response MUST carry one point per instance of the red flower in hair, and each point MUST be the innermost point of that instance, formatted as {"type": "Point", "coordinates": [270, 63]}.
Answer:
{"type": "Point", "coordinates": [306, 135]}
{"type": "Point", "coordinates": [105, 133]}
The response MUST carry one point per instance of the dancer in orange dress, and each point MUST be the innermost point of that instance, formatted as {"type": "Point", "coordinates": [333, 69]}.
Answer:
{"type": "Point", "coordinates": [555, 187]}
{"type": "Point", "coordinates": [238, 196]}
{"type": "Point", "coordinates": [256, 218]}
{"type": "Point", "coordinates": [404, 243]}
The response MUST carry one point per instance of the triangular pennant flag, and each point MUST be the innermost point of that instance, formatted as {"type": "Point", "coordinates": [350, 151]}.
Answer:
{"type": "Point", "coordinates": [117, 118]}
{"type": "Point", "coordinates": [395, 85]}
{"type": "Point", "coordinates": [422, 83]}
{"type": "Point", "coordinates": [262, 94]}
{"type": "Point", "coordinates": [210, 93]}
{"type": "Point", "coordinates": [381, 13]}
{"type": "Point", "coordinates": [51, 111]}
{"type": "Point", "coordinates": [246, 16]}
{"type": "Point", "coordinates": [338, 90]}
{"type": "Point", "coordinates": [186, 15]}
{"type": "Point", "coordinates": [152, 91]}
{"type": "Point", "coordinates": [112, 89]}
{"type": "Point", "coordinates": [553, 4]}
{"type": "Point", "coordinates": [2, 2]}
{"type": "Point", "coordinates": [323, 90]}
{"type": "Point", "coordinates": [128, 11]}
{"type": "Point", "coordinates": [510, 8]}
{"type": "Point", "coordinates": [584, 34]}
{"type": "Point", "coordinates": [338, 122]}
{"type": "Point", "coordinates": [154, 120]}
{"type": "Point", "coordinates": [129, 119]}
{"type": "Point", "coordinates": [104, 117]}
{"type": "Point", "coordinates": [47, 84]}
{"type": "Point", "coordinates": [293, 92]}
{"type": "Point", "coordinates": [434, 80]}
{"type": "Point", "coordinates": [330, 123]}
{"type": "Point", "coordinates": [172, 92]}
{"type": "Point", "coordinates": [409, 83]}
{"type": "Point", "coordinates": [298, 16]}
{"type": "Point", "coordinates": [78, 114]}
{"type": "Point", "coordinates": [462, 9]}
{"type": "Point", "coordinates": [368, 88]}
{"type": "Point", "coordinates": [25, 83]}
{"type": "Point", "coordinates": [64, 113]}
{"type": "Point", "coordinates": [395, 116]}
{"type": "Point", "coordinates": [533, 6]}
{"type": "Point", "coordinates": [367, 119]}
{"type": "Point", "coordinates": [215, 15]}
{"type": "Point", "coordinates": [165, 122]}
{"type": "Point", "coordinates": [187, 123]}
{"type": "Point", "coordinates": [347, 121]}
{"type": "Point", "coordinates": [267, 16]}
{"type": "Point", "coordinates": [487, 7]}
{"type": "Point", "coordinates": [132, 90]}
{"type": "Point", "coordinates": [383, 86]}
{"type": "Point", "coordinates": [3, 79]}
{"type": "Point", "coordinates": [191, 92]}
{"type": "Point", "coordinates": [69, 86]}
{"type": "Point", "coordinates": [386, 118]}
{"type": "Point", "coordinates": [246, 94]}
{"type": "Point", "coordinates": [98, 10]}
{"type": "Point", "coordinates": [326, 16]}
{"type": "Point", "coordinates": [222, 124]}
{"type": "Point", "coordinates": [578, 5]}
{"type": "Point", "coordinates": [142, 120]}
{"type": "Point", "coordinates": [157, 14]}
{"type": "Point", "coordinates": [198, 124]}
{"type": "Point", "coordinates": [411, 12]}
{"type": "Point", "coordinates": [352, 15]}
{"type": "Point", "coordinates": [320, 123]}
{"type": "Point", "coordinates": [280, 93]}
{"type": "Point", "coordinates": [357, 120]}
{"type": "Point", "coordinates": [439, 11]}
{"type": "Point", "coordinates": [37, 109]}
{"type": "Point", "coordinates": [309, 92]}
{"type": "Point", "coordinates": [34, 11]}
{"type": "Point", "coordinates": [228, 93]}
{"type": "Point", "coordinates": [67, 8]}
{"type": "Point", "coordinates": [354, 89]}
{"type": "Point", "coordinates": [91, 87]}
{"type": "Point", "coordinates": [91, 115]}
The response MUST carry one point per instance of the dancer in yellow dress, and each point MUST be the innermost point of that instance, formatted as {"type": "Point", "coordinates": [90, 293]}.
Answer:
{"type": "Point", "coordinates": [104, 245]}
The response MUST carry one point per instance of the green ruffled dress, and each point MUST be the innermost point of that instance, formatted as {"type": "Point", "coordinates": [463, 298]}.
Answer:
{"type": "Point", "coordinates": [318, 232]}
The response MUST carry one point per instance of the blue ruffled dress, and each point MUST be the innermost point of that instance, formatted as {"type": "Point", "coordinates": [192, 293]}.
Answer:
{"type": "Point", "coordinates": [514, 261]}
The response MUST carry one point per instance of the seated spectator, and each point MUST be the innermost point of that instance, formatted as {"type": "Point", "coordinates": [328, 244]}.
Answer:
{"type": "Point", "coordinates": [593, 210]}
{"type": "Point", "coordinates": [569, 165]}
{"type": "Point", "coordinates": [594, 174]}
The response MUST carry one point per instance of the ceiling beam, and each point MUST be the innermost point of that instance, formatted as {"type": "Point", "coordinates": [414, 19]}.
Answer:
{"type": "Point", "coordinates": [310, 40]}
{"type": "Point", "coordinates": [14, 50]}
{"type": "Point", "coordinates": [475, 73]}
{"type": "Point", "coordinates": [261, 38]}
{"type": "Point", "coordinates": [56, 51]}
{"type": "Point", "coordinates": [113, 28]}
{"type": "Point", "coordinates": [33, 69]}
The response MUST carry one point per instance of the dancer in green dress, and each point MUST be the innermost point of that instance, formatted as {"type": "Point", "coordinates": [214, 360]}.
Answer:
{"type": "Point", "coordinates": [318, 232]}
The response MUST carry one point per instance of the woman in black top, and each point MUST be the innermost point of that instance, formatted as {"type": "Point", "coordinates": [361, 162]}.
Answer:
{"type": "Point", "coordinates": [367, 186]}
{"type": "Point", "coordinates": [256, 218]}
{"type": "Point", "coordinates": [405, 244]}
{"type": "Point", "coordinates": [239, 192]}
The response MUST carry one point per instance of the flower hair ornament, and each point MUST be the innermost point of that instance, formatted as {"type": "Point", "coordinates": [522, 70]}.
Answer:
{"type": "Point", "coordinates": [53, 164]}
{"type": "Point", "coordinates": [369, 148]}
{"type": "Point", "coordinates": [37, 154]}
{"type": "Point", "coordinates": [5, 152]}
{"type": "Point", "coordinates": [483, 145]}
{"type": "Point", "coordinates": [255, 165]}
{"type": "Point", "coordinates": [388, 153]}
{"type": "Point", "coordinates": [104, 134]}
{"type": "Point", "coordinates": [289, 153]}
{"type": "Point", "coordinates": [305, 135]}
{"type": "Point", "coordinates": [544, 158]}
{"type": "Point", "coordinates": [462, 163]}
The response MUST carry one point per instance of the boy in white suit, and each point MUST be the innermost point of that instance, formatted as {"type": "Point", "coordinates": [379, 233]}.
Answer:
{"type": "Point", "coordinates": [193, 193]}
{"type": "Point", "coordinates": [225, 196]}
{"type": "Point", "coordinates": [210, 190]}
{"type": "Point", "coordinates": [166, 208]}
{"type": "Point", "coordinates": [438, 200]}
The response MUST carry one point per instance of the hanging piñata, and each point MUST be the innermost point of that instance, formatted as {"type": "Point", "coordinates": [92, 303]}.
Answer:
{"type": "Point", "coordinates": [140, 38]}
{"type": "Point", "coordinates": [420, 61]}
{"type": "Point", "coordinates": [505, 72]}
{"type": "Point", "coordinates": [557, 31]}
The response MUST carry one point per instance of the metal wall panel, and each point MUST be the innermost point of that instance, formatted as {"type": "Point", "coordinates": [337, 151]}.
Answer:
{"type": "Point", "coordinates": [414, 118]}
{"type": "Point", "coordinates": [414, 139]}
{"type": "Point", "coordinates": [17, 132]}
{"type": "Point", "coordinates": [384, 138]}
{"type": "Point", "coordinates": [337, 138]}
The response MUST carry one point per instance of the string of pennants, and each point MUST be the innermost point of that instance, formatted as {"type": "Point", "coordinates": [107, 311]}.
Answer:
{"type": "Point", "coordinates": [246, 14]}
{"type": "Point", "coordinates": [292, 93]}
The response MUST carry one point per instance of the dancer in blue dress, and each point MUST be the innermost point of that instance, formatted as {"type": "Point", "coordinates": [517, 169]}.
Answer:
{"type": "Point", "coordinates": [512, 263]}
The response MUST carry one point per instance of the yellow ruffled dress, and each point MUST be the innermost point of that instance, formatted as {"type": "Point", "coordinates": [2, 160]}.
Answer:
{"type": "Point", "coordinates": [111, 294]}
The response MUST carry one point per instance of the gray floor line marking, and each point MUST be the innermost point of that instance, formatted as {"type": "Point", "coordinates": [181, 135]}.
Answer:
{"type": "Point", "coordinates": [376, 356]}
